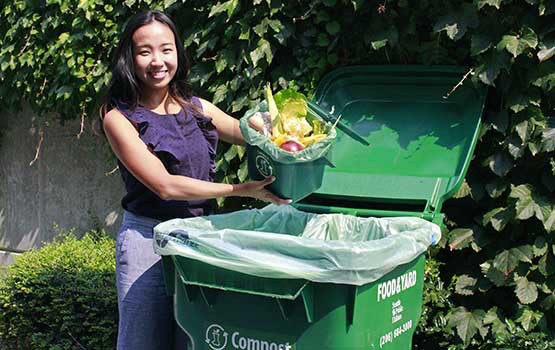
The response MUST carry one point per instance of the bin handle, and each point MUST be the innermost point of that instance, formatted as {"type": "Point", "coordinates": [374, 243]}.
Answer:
{"type": "Point", "coordinates": [332, 119]}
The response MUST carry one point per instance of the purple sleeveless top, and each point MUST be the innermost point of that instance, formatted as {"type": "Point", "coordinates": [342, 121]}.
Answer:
{"type": "Point", "coordinates": [186, 144]}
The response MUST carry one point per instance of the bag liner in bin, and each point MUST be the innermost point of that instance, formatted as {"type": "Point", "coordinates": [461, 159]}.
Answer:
{"type": "Point", "coordinates": [283, 242]}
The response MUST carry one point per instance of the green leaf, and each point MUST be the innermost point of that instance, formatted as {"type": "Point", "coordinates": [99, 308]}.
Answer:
{"type": "Point", "coordinates": [546, 265]}
{"type": "Point", "coordinates": [526, 291]}
{"type": "Point", "coordinates": [510, 43]}
{"type": "Point", "coordinates": [497, 187]}
{"type": "Point", "coordinates": [505, 262]}
{"type": "Point", "coordinates": [529, 204]}
{"type": "Point", "coordinates": [549, 222]}
{"type": "Point", "coordinates": [494, 3]}
{"type": "Point", "coordinates": [495, 275]}
{"type": "Point", "coordinates": [457, 21]}
{"type": "Point", "coordinates": [465, 285]}
{"type": "Point", "coordinates": [382, 36]}
{"type": "Point", "coordinates": [322, 40]}
{"type": "Point", "coordinates": [463, 191]}
{"type": "Point", "coordinates": [528, 318]}
{"type": "Point", "coordinates": [517, 44]}
{"type": "Point", "coordinates": [523, 253]}
{"type": "Point", "coordinates": [333, 27]}
{"type": "Point", "coordinates": [231, 153]}
{"type": "Point", "coordinates": [545, 76]}
{"type": "Point", "coordinates": [263, 50]}
{"type": "Point", "coordinates": [219, 94]}
{"type": "Point", "coordinates": [500, 121]}
{"type": "Point", "coordinates": [498, 218]}
{"type": "Point", "coordinates": [232, 6]}
{"type": "Point", "coordinates": [540, 246]}
{"type": "Point", "coordinates": [460, 238]}
{"type": "Point", "coordinates": [498, 327]}
{"type": "Point", "coordinates": [500, 163]}
{"type": "Point", "coordinates": [547, 50]}
{"type": "Point", "coordinates": [63, 37]}
{"type": "Point", "coordinates": [548, 139]}
{"type": "Point", "coordinates": [492, 64]}
{"type": "Point", "coordinates": [548, 302]}
{"type": "Point", "coordinates": [467, 323]}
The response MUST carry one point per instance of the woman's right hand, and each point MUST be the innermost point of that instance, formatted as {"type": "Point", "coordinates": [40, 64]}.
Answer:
{"type": "Point", "coordinates": [257, 190]}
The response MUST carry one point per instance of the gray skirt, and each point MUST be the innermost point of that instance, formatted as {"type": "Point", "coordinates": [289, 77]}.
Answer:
{"type": "Point", "coordinates": [145, 309]}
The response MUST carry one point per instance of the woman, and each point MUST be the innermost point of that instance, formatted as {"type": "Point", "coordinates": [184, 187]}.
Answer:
{"type": "Point", "coordinates": [165, 141]}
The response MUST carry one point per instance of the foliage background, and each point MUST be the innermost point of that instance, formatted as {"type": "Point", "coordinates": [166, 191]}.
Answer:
{"type": "Point", "coordinates": [62, 296]}
{"type": "Point", "coordinates": [54, 55]}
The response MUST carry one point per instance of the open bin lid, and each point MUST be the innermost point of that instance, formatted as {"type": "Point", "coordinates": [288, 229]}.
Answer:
{"type": "Point", "coordinates": [421, 128]}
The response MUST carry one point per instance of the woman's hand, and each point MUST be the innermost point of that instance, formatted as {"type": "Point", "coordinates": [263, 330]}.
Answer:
{"type": "Point", "coordinates": [257, 190]}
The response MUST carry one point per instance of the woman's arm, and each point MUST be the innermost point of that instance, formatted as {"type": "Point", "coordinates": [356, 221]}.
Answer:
{"type": "Point", "coordinates": [228, 127]}
{"type": "Point", "coordinates": [149, 170]}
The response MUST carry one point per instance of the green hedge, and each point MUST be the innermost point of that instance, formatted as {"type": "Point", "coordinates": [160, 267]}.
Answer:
{"type": "Point", "coordinates": [62, 296]}
{"type": "Point", "coordinates": [54, 55]}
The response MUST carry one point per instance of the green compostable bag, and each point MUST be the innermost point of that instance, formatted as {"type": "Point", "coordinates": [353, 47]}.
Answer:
{"type": "Point", "coordinates": [283, 242]}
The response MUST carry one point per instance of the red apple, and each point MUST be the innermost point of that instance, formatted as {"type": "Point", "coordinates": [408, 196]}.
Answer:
{"type": "Point", "coordinates": [292, 146]}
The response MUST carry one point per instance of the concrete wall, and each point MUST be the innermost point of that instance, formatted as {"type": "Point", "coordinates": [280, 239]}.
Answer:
{"type": "Point", "coordinates": [66, 187]}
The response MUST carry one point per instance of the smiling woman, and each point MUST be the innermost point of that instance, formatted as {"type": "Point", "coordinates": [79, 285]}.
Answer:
{"type": "Point", "coordinates": [155, 58]}
{"type": "Point", "coordinates": [165, 141]}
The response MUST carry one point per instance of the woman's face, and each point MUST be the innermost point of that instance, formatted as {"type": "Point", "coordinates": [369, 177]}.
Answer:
{"type": "Point", "coordinates": [155, 55]}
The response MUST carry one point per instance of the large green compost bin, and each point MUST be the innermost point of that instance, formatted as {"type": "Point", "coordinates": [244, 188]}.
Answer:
{"type": "Point", "coordinates": [418, 127]}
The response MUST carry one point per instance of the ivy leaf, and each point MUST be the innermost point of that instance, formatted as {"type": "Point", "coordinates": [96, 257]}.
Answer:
{"type": "Point", "coordinates": [515, 147]}
{"type": "Point", "coordinates": [460, 238]}
{"type": "Point", "coordinates": [497, 187]}
{"type": "Point", "coordinates": [494, 3]}
{"type": "Point", "coordinates": [463, 191]}
{"type": "Point", "coordinates": [498, 327]}
{"type": "Point", "coordinates": [333, 27]}
{"type": "Point", "coordinates": [505, 262]}
{"type": "Point", "coordinates": [498, 217]}
{"type": "Point", "coordinates": [263, 50]}
{"type": "Point", "coordinates": [457, 21]}
{"type": "Point", "coordinates": [500, 121]}
{"type": "Point", "coordinates": [523, 253]}
{"type": "Point", "coordinates": [517, 44]}
{"type": "Point", "coordinates": [219, 94]}
{"type": "Point", "coordinates": [547, 50]}
{"type": "Point", "coordinates": [549, 223]}
{"type": "Point", "coordinates": [548, 139]}
{"type": "Point", "coordinates": [497, 277]}
{"type": "Point", "coordinates": [528, 203]}
{"type": "Point", "coordinates": [548, 302]}
{"type": "Point", "coordinates": [491, 66]}
{"type": "Point", "coordinates": [380, 37]}
{"type": "Point", "coordinates": [526, 291]}
{"type": "Point", "coordinates": [467, 323]}
{"type": "Point", "coordinates": [465, 285]}
{"type": "Point", "coordinates": [500, 163]}
{"type": "Point", "coordinates": [228, 6]}
{"type": "Point", "coordinates": [546, 265]}
{"type": "Point", "coordinates": [540, 246]}
{"type": "Point", "coordinates": [528, 318]}
{"type": "Point", "coordinates": [545, 76]}
{"type": "Point", "coordinates": [518, 102]}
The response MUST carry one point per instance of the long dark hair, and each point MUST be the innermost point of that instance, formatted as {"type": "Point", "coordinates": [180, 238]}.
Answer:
{"type": "Point", "coordinates": [124, 85]}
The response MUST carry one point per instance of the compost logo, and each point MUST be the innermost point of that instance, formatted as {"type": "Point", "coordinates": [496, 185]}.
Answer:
{"type": "Point", "coordinates": [216, 337]}
{"type": "Point", "coordinates": [263, 165]}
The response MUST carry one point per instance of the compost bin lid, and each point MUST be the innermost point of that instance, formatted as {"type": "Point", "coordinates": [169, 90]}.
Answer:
{"type": "Point", "coordinates": [420, 124]}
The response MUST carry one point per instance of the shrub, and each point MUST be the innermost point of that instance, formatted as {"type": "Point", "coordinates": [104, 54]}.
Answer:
{"type": "Point", "coordinates": [61, 296]}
